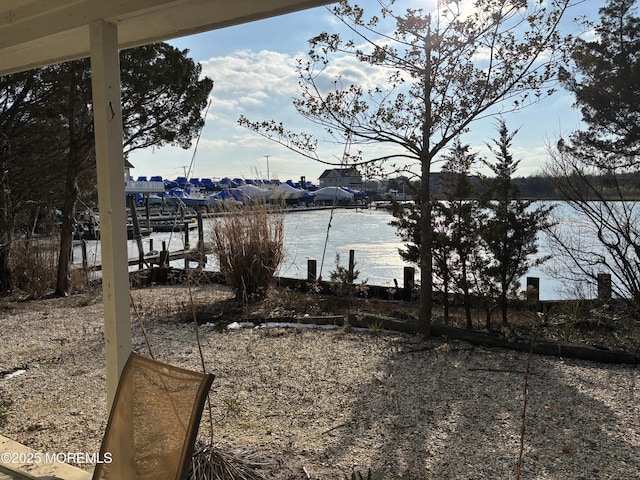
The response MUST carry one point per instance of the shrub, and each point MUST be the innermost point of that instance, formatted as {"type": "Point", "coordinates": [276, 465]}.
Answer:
{"type": "Point", "coordinates": [342, 281]}
{"type": "Point", "coordinates": [34, 265]}
{"type": "Point", "coordinates": [248, 241]}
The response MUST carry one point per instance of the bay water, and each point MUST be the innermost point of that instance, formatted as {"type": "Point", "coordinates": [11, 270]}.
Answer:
{"type": "Point", "coordinates": [366, 231]}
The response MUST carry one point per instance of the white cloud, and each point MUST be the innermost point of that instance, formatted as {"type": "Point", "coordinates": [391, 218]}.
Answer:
{"type": "Point", "coordinates": [249, 73]}
{"type": "Point", "coordinates": [252, 100]}
{"type": "Point", "coordinates": [214, 143]}
{"type": "Point", "coordinates": [221, 103]}
{"type": "Point", "coordinates": [251, 140]}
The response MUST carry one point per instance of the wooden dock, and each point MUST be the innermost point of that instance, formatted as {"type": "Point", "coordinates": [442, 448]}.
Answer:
{"type": "Point", "coordinates": [154, 258]}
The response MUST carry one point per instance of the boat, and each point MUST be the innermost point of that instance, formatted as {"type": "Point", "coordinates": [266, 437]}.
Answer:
{"type": "Point", "coordinates": [286, 191]}
{"type": "Point", "coordinates": [333, 194]}
{"type": "Point", "coordinates": [256, 193]}
{"type": "Point", "coordinates": [189, 196]}
{"type": "Point", "coordinates": [229, 196]}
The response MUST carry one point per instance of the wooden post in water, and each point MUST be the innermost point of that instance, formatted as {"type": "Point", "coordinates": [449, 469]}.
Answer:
{"type": "Point", "coordinates": [312, 270]}
{"type": "Point", "coordinates": [164, 256]}
{"type": "Point", "coordinates": [201, 257]}
{"type": "Point", "coordinates": [146, 210]}
{"type": "Point", "coordinates": [161, 274]}
{"type": "Point", "coordinates": [85, 263]}
{"type": "Point", "coordinates": [533, 289]}
{"type": "Point", "coordinates": [136, 231]}
{"type": "Point", "coordinates": [409, 282]}
{"type": "Point", "coordinates": [604, 286]}
{"type": "Point", "coordinates": [187, 245]}
{"type": "Point", "coordinates": [352, 264]}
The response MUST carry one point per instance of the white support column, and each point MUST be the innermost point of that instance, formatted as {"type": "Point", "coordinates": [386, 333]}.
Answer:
{"type": "Point", "coordinates": [107, 118]}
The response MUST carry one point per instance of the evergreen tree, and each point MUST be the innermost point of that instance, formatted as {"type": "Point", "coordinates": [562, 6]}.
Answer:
{"type": "Point", "coordinates": [6, 223]}
{"type": "Point", "coordinates": [463, 219]}
{"type": "Point", "coordinates": [605, 80]}
{"type": "Point", "coordinates": [595, 170]}
{"type": "Point", "coordinates": [511, 228]}
{"type": "Point", "coordinates": [162, 97]}
{"type": "Point", "coordinates": [407, 217]}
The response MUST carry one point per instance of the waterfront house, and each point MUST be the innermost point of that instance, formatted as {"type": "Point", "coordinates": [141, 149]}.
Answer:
{"type": "Point", "coordinates": [341, 177]}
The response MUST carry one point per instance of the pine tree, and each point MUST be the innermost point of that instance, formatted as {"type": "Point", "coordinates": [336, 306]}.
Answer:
{"type": "Point", "coordinates": [461, 218]}
{"type": "Point", "coordinates": [510, 231]}
{"type": "Point", "coordinates": [162, 96]}
{"type": "Point", "coordinates": [606, 85]}
{"type": "Point", "coordinates": [595, 170]}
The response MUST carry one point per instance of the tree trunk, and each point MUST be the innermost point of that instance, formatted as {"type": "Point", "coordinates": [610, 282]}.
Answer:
{"type": "Point", "coordinates": [467, 311]}
{"type": "Point", "coordinates": [72, 192]}
{"type": "Point", "coordinates": [6, 226]}
{"type": "Point", "coordinates": [426, 254]}
{"type": "Point", "coordinates": [81, 146]}
{"type": "Point", "coordinates": [426, 230]}
{"type": "Point", "coordinates": [503, 301]}
{"type": "Point", "coordinates": [465, 294]}
{"type": "Point", "coordinates": [445, 298]}
{"type": "Point", "coordinates": [5, 268]}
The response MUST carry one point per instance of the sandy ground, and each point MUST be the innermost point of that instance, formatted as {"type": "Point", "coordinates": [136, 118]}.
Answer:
{"type": "Point", "coordinates": [320, 404]}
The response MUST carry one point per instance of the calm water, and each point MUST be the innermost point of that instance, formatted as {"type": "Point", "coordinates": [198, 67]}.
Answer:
{"type": "Point", "coordinates": [367, 232]}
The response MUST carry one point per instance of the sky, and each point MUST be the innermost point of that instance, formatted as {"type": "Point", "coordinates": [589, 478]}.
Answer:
{"type": "Point", "coordinates": [253, 67]}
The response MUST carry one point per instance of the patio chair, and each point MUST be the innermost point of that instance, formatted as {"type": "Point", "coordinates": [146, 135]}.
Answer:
{"type": "Point", "coordinates": [153, 422]}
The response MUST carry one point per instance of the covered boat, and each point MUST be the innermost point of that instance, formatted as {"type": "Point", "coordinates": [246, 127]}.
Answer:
{"type": "Point", "coordinates": [330, 194]}
{"type": "Point", "coordinates": [255, 193]}
{"type": "Point", "coordinates": [287, 192]}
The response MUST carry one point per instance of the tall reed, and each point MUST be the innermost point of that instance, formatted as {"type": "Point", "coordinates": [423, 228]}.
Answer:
{"type": "Point", "coordinates": [248, 241]}
{"type": "Point", "coordinates": [34, 264]}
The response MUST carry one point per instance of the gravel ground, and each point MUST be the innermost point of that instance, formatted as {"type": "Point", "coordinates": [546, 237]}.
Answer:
{"type": "Point", "coordinates": [320, 404]}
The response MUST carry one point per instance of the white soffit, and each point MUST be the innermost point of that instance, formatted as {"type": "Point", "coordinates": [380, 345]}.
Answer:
{"type": "Point", "coordinates": [42, 32]}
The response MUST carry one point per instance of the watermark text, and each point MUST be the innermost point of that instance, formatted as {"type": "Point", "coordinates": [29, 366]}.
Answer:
{"type": "Point", "coordinates": [35, 458]}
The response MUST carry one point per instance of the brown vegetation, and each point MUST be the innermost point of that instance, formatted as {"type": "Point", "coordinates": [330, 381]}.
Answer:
{"type": "Point", "coordinates": [248, 242]}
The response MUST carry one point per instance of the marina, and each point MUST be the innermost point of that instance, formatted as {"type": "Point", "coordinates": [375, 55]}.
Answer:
{"type": "Point", "coordinates": [161, 205]}
{"type": "Point", "coordinates": [322, 224]}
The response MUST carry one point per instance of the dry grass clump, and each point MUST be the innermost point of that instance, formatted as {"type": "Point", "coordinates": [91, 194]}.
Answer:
{"type": "Point", "coordinates": [34, 264]}
{"type": "Point", "coordinates": [34, 267]}
{"type": "Point", "coordinates": [212, 463]}
{"type": "Point", "coordinates": [248, 241]}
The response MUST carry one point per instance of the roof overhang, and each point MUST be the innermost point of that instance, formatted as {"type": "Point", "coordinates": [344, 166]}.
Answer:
{"type": "Point", "coordinates": [43, 32]}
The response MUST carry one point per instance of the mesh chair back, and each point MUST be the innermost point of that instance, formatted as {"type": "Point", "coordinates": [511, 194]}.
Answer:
{"type": "Point", "coordinates": [153, 422]}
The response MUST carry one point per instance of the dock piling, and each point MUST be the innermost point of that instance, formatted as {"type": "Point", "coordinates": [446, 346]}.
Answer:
{"type": "Point", "coordinates": [201, 257]}
{"type": "Point", "coordinates": [533, 289]}
{"type": "Point", "coordinates": [136, 230]}
{"type": "Point", "coordinates": [163, 260]}
{"type": "Point", "coordinates": [85, 263]}
{"type": "Point", "coordinates": [312, 270]}
{"type": "Point", "coordinates": [604, 286]}
{"type": "Point", "coordinates": [352, 264]}
{"type": "Point", "coordinates": [409, 282]}
{"type": "Point", "coordinates": [186, 236]}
